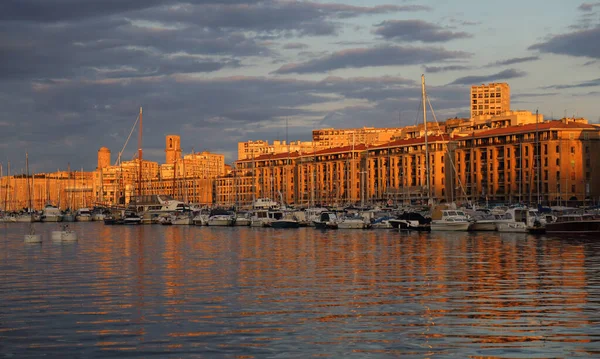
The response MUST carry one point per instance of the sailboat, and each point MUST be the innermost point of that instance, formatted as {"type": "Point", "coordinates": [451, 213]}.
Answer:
{"type": "Point", "coordinates": [30, 237]}
{"type": "Point", "coordinates": [444, 217]}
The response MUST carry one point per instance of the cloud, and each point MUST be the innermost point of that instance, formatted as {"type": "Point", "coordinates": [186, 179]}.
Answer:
{"type": "Point", "coordinates": [587, 7]}
{"type": "Point", "coordinates": [283, 18]}
{"type": "Point", "coordinates": [79, 111]}
{"type": "Point", "coordinates": [515, 60]}
{"type": "Point", "coordinates": [416, 30]}
{"type": "Point", "coordinates": [101, 48]}
{"type": "Point", "coordinates": [503, 75]}
{"type": "Point", "coordinates": [581, 43]}
{"type": "Point", "coordinates": [377, 56]}
{"type": "Point", "coordinates": [591, 83]}
{"type": "Point", "coordinates": [437, 69]}
{"type": "Point", "coordinates": [295, 46]}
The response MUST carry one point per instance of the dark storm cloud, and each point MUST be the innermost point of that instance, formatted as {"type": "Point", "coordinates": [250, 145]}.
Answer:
{"type": "Point", "coordinates": [583, 43]}
{"type": "Point", "coordinates": [591, 83]}
{"type": "Point", "coordinates": [99, 47]}
{"type": "Point", "coordinates": [437, 69]}
{"type": "Point", "coordinates": [503, 75]}
{"type": "Point", "coordinates": [298, 17]}
{"type": "Point", "coordinates": [515, 60]}
{"type": "Point", "coordinates": [416, 30]}
{"type": "Point", "coordinates": [80, 116]}
{"type": "Point", "coordinates": [377, 56]}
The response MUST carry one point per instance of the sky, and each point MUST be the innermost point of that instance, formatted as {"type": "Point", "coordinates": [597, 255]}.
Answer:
{"type": "Point", "coordinates": [74, 73]}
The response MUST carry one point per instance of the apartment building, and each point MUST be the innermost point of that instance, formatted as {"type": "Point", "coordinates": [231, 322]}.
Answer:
{"type": "Point", "coordinates": [491, 99]}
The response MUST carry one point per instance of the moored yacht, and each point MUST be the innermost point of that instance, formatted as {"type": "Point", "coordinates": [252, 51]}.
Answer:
{"type": "Point", "coordinates": [445, 219]}
{"type": "Point", "coordinates": [326, 220]}
{"type": "Point", "coordinates": [575, 223]}
{"type": "Point", "coordinates": [51, 213]}
{"type": "Point", "coordinates": [83, 215]}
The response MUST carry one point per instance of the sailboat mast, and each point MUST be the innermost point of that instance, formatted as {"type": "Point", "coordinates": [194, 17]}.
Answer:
{"type": "Point", "coordinates": [140, 155]}
{"type": "Point", "coordinates": [538, 156]}
{"type": "Point", "coordinates": [424, 99]}
{"type": "Point", "coordinates": [28, 185]}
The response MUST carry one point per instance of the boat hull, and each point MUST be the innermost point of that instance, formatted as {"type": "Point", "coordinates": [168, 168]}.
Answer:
{"type": "Point", "coordinates": [512, 227]}
{"type": "Point", "coordinates": [577, 227]}
{"type": "Point", "coordinates": [220, 222]}
{"type": "Point", "coordinates": [285, 224]}
{"type": "Point", "coordinates": [483, 226]}
{"type": "Point", "coordinates": [443, 226]}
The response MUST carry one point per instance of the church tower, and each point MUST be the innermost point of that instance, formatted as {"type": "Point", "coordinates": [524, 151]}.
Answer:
{"type": "Point", "coordinates": [172, 149]}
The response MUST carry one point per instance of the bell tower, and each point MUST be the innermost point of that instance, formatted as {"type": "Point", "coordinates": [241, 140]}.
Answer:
{"type": "Point", "coordinates": [172, 148]}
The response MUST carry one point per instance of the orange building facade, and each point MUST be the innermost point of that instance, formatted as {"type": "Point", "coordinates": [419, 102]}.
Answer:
{"type": "Point", "coordinates": [494, 162]}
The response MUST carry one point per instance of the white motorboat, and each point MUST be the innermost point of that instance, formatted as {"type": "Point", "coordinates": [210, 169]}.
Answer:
{"type": "Point", "coordinates": [184, 218]}
{"type": "Point", "coordinates": [259, 218]}
{"type": "Point", "coordinates": [242, 219]}
{"type": "Point", "coordinates": [83, 215]}
{"type": "Point", "coordinates": [132, 218]}
{"type": "Point", "coordinates": [326, 220]}
{"type": "Point", "coordinates": [354, 222]}
{"type": "Point", "coordinates": [515, 220]}
{"type": "Point", "coordinates": [51, 213]}
{"type": "Point", "coordinates": [449, 219]}
{"type": "Point", "coordinates": [201, 219]}
{"type": "Point", "coordinates": [221, 218]}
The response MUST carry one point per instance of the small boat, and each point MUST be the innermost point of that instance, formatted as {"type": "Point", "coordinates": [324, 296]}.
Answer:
{"type": "Point", "coordinates": [131, 218]}
{"type": "Point", "coordinates": [575, 223]}
{"type": "Point", "coordinates": [83, 215]}
{"type": "Point", "coordinates": [68, 216]}
{"type": "Point", "coordinates": [326, 220]}
{"type": "Point", "coordinates": [259, 218]}
{"type": "Point", "coordinates": [449, 220]}
{"type": "Point", "coordinates": [182, 218]}
{"type": "Point", "coordinates": [514, 220]}
{"type": "Point", "coordinates": [411, 221]}
{"type": "Point", "coordinates": [286, 220]}
{"type": "Point", "coordinates": [51, 213]}
{"type": "Point", "coordinates": [241, 219]}
{"type": "Point", "coordinates": [220, 218]}
{"type": "Point", "coordinates": [352, 222]}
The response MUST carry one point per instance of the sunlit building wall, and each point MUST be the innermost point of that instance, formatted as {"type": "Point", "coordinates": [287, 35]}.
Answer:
{"type": "Point", "coordinates": [490, 99]}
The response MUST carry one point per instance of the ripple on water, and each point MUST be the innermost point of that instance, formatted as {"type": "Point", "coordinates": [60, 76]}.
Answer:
{"type": "Point", "coordinates": [245, 292]}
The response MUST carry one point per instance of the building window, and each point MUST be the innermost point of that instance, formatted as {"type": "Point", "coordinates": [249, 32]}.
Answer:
{"type": "Point", "coordinates": [545, 175]}
{"type": "Point", "coordinates": [572, 150]}
{"type": "Point", "coordinates": [558, 161]}
{"type": "Point", "coordinates": [573, 188]}
{"type": "Point", "coordinates": [558, 175]}
{"type": "Point", "coordinates": [557, 149]}
{"type": "Point", "coordinates": [526, 151]}
{"type": "Point", "coordinates": [545, 149]}
{"type": "Point", "coordinates": [546, 161]}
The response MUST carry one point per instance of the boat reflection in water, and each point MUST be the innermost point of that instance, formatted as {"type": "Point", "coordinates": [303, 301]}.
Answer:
{"type": "Point", "coordinates": [180, 291]}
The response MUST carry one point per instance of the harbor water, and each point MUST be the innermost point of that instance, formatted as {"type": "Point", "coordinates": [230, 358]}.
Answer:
{"type": "Point", "coordinates": [234, 292]}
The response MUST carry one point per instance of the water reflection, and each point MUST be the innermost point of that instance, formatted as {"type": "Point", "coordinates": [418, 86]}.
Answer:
{"type": "Point", "coordinates": [248, 292]}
